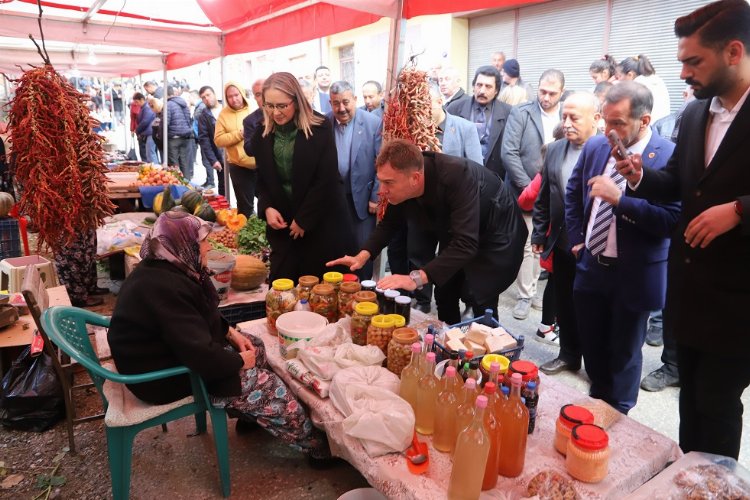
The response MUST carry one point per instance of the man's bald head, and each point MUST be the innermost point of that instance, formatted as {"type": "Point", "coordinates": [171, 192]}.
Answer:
{"type": "Point", "coordinates": [580, 115]}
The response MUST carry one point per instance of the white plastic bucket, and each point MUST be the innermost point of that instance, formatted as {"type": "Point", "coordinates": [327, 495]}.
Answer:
{"type": "Point", "coordinates": [294, 326]}
{"type": "Point", "coordinates": [221, 264]}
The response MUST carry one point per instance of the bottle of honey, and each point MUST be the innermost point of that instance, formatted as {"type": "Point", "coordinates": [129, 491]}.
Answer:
{"type": "Point", "coordinates": [514, 426]}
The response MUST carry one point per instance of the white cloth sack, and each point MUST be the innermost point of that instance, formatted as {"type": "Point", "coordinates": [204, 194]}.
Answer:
{"type": "Point", "coordinates": [375, 414]}
{"type": "Point", "coordinates": [332, 335]}
{"type": "Point", "coordinates": [325, 362]}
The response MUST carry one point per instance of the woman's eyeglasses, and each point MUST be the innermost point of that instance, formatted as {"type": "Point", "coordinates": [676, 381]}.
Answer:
{"type": "Point", "coordinates": [280, 107]}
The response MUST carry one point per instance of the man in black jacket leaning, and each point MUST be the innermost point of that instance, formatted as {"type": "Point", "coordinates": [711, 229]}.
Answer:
{"type": "Point", "coordinates": [478, 224]}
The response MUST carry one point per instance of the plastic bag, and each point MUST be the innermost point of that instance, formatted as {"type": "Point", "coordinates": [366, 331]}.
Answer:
{"type": "Point", "coordinates": [117, 235]}
{"type": "Point", "coordinates": [31, 395]}
{"type": "Point", "coordinates": [325, 362]}
{"type": "Point", "coordinates": [379, 418]}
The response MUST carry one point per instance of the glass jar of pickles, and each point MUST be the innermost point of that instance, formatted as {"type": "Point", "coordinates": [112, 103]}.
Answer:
{"type": "Point", "coordinates": [346, 297]}
{"type": "Point", "coordinates": [305, 286]}
{"type": "Point", "coordinates": [323, 301]}
{"type": "Point", "coordinates": [380, 331]}
{"type": "Point", "coordinates": [364, 296]}
{"type": "Point", "coordinates": [279, 300]}
{"type": "Point", "coordinates": [399, 349]}
{"type": "Point", "coordinates": [335, 279]}
{"type": "Point", "coordinates": [570, 416]}
{"type": "Point", "coordinates": [361, 318]}
{"type": "Point", "coordinates": [588, 453]}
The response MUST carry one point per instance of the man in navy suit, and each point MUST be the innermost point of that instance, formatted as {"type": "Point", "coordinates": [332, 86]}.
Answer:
{"type": "Point", "coordinates": [621, 247]}
{"type": "Point", "coordinates": [358, 139]}
{"type": "Point", "coordinates": [709, 275]}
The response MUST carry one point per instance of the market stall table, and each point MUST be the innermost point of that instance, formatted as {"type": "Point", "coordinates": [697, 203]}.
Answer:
{"type": "Point", "coordinates": [20, 333]}
{"type": "Point", "coordinates": [638, 452]}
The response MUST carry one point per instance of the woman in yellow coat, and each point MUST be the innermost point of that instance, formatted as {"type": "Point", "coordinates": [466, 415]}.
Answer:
{"type": "Point", "coordinates": [229, 135]}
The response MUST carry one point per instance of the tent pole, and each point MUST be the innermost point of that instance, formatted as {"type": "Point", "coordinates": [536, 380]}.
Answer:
{"type": "Point", "coordinates": [224, 171]}
{"type": "Point", "coordinates": [164, 117]}
{"type": "Point", "coordinates": [396, 42]}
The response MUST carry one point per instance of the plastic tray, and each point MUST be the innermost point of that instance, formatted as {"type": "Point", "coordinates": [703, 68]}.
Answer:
{"type": "Point", "coordinates": [239, 313]}
{"type": "Point", "coordinates": [487, 319]}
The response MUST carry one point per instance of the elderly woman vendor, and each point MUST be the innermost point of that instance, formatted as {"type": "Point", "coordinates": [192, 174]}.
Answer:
{"type": "Point", "coordinates": [167, 315]}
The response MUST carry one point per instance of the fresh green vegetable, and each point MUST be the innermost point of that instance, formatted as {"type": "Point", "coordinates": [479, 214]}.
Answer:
{"type": "Point", "coordinates": [252, 238]}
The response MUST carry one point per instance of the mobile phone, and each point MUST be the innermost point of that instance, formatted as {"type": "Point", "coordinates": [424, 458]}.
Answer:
{"type": "Point", "coordinates": [621, 152]}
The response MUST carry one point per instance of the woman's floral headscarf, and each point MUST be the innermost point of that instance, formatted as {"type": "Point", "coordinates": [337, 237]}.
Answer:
{"type": "Point", "coordinates": [176, 238]}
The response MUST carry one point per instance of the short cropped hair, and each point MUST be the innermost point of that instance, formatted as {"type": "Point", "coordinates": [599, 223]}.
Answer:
{"type": "Point", "coordinates": [340, 87]}
{"type": "Point", "coordinates": [378, 87]}
{"type": "Point", "coordinates": [401, 154]}
{"type": "Point", "coordinates": [205, 88]}
{"type": "Point", "coordinates": [553, 74]}
{"type": "Point", "coordinates": [641, 99]}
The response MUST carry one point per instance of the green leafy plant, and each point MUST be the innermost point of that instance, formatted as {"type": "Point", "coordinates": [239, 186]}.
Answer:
{"type": "Point", "coordinates": [251, 239]}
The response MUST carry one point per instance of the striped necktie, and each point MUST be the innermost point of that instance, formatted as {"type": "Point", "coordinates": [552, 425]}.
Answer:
{"type": "Point", "coordinates": [604, 214]}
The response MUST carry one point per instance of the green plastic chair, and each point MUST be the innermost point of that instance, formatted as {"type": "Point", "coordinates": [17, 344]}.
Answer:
{"type": "Point", "coordinates": [125, 415]}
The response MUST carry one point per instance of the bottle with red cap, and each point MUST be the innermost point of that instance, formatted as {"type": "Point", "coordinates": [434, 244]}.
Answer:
{"type": "Point", "coordinates": [470, 457]}
{"type": "Point", "coordinates": [588, 453]}
{"type": "Point", "coordinates": [514, 428]}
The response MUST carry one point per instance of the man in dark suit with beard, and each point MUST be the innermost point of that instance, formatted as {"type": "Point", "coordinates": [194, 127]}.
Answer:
{"type": "Point", "coordinates": [709, 274]}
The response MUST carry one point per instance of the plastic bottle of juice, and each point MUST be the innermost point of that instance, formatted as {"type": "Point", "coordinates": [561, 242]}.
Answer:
{"type": "Point", "coordinates": [531, 397]}
{"type": "Point", "coordinates": [428, 340]}
{"type": "Point", "coordinates": [465, 410]}
{"type": "Point", "coordinates": [427, 393]}
{"type": "Point", "coordinates": [445, 414]}
{"type": "Point", "coordinates": [470, 458]}
{"type": "Point", "coordinates": [514, 425]}
{"type": "Point", "coordinates": [492, 426]}
{"type": "Point", "coordinates": [410, 377]}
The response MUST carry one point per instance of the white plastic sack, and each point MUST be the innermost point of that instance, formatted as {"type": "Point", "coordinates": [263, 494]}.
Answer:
{"type": "Point", "coordinates": [325, 362]}
{"type": "Point", "coordinates": [331, 335]}
{"type": "Point", "coordinates": [375, 414]}
{"type": "Point", "coordinates": [117, 235]}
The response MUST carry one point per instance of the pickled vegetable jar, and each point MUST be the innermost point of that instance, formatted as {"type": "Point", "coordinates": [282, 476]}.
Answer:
{"type": "Point", "coordinates": [280, 299]}
{"type": "Point", "coordinates": [361, 318]}
{"type": "Point", "coordinates": [335, 279]}
{"type": "Point", "coordinates": [380, 331]}
{"type": "Point", "coordinates": [398, 321]}
{"type": "Point", "coordinates": [305, 286]}
{"type": "Point", "coordinates": [588, 453]}
{"type": "Point", "coordinates": [346, 297]}
{"type": "Point", "coordinates": [364, 296]}
{"type": "Point", "coordinates": [399, 349]}
{"type": "Point", "coordinates": [570, 416]}
{"type": "Point", "coordinates": [323, 301]}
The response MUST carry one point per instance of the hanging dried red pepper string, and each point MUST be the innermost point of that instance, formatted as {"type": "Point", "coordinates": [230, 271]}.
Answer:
{"type": "Point", "coordinates": [59, 160]}
{"type": "Point", "coordinates": [408, 115]}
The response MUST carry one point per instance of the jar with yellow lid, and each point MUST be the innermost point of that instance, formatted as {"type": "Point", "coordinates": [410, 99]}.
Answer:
{"type": "Point", "coordinates": [280, 299]}
{"type": "Point", "coordinates": [399, 348]}
{"type": "Point", "coordinates": [380, 332]}
{"type": "Point", "coordinates": [305, 285]}
{"type": "Point", "coordinates": [487, 361]}
{"type": "Point", "coordinates": [335, 279]}
{"type": "Point", "coordinates": [398, 321]}
{"type": "Point", "coordinates": [364, 296]}
{"type": "Point", "coordinates": [361, 318]}
{"type": "Point", "coordinates": [570, 416]}
{"type": "Point", "coordinates": [346, 297]}
{"type": "Point", "coordinates": [588, 453]}
{"type": "Point", "coordinates": [323, 301]}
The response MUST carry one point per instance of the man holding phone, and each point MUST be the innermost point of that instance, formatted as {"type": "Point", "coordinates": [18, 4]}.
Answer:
{"type": "Point", "coordinates": [620, 244]}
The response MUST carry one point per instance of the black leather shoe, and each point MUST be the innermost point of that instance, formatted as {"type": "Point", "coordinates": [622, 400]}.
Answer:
{"type": "Point", "coordinates": [425, 308]}
{"type": "Point", "coordinates": [658, 379]}
{"type": "Point", "coordinates": [99, 291]}
{"type": "Point", "coordinates": [558, 365]}
{"type": "Point", "coordinates": [89, 302]}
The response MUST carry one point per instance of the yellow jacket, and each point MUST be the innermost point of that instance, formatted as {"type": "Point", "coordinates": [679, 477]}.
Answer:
{"type": "Point", "coordinates": [229, 130]}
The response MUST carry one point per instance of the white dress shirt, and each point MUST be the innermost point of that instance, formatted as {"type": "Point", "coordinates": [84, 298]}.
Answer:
{"type": "Point", "coordinates": [718, 124]}
{"type": "Point", "coordinates": [611, 249]}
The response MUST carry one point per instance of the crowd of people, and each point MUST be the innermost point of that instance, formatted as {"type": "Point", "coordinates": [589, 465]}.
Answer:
{"type": "Point", "coordinates": [622, 201]}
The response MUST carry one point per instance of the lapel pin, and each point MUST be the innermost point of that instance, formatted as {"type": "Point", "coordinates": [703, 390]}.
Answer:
{"type": "Point", "coordinates": [651, 155]}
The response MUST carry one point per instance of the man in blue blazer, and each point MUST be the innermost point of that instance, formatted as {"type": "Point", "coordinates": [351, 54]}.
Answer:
{"type": "Point", "coordinates": [621, 246]}
{"type": "Point", "coordinates": [358, 139]}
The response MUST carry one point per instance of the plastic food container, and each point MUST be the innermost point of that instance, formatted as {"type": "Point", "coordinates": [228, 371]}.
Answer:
{"type": "Point", "coordinates": [588, 453]}
{"type": "Point", "coordinates": [298, 325]}
{"type": "Point", "coordinates": [380, 331]}
{"type": "Point", "coordinates": [305, 286]}
{"type": "Point", "coordinates": [399, 349]}
{"type": "Point", "coordinates": [570, 416]}
{"type": "Point", "coordinates": [323, 301]}
{"type": "Point", "coordinates": [346, 297]}
{"type": "Point", "coordinates": [280, 299]}
{"type": "Point", "coordinates": [361, 318]}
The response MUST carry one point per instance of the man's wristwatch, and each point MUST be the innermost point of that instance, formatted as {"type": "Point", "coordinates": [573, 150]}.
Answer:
{"type": "Point", "coordinates": [416, 277]}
